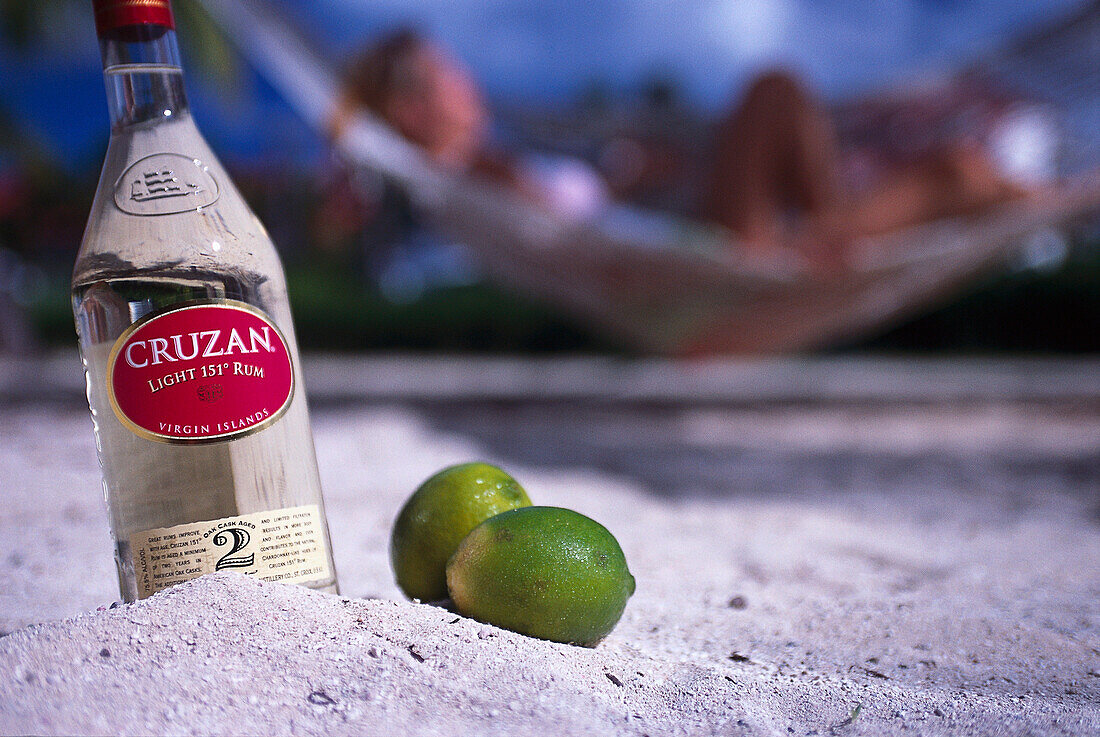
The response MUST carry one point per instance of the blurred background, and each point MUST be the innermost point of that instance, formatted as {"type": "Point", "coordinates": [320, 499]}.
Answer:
{"type": "Point", "coordinates": [590, 79]}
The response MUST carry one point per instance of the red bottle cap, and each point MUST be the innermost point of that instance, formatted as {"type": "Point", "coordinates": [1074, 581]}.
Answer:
{"type": "Point", "coordinates": [112, 14]}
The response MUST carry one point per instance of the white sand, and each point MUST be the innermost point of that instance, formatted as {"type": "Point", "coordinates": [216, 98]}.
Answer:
{"type": "Point", "coordinates": [937, 566]}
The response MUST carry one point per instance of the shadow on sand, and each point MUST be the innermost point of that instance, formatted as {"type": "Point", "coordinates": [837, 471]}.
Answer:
{"type": "Point", "coordinates": [1009, 456]}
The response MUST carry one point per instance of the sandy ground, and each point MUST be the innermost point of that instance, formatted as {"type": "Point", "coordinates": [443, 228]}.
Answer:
{"type": "Point", "coordinates": [898, 567]}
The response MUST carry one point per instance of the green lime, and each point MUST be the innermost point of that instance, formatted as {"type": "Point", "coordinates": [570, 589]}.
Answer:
{"type": "Point", "coordinates": [436, 518]}
{"type": "Point", "coordinates": [542, 571]}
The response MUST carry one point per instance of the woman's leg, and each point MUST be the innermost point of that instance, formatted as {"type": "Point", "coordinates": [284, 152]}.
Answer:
{"type": "Point", "coordinates": [776, 153]}
{"type": "Point", "coordinates": [948, 182]}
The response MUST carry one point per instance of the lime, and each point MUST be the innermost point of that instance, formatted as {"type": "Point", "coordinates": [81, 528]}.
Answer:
{"type": "Point", "coordinates": [438, 515]}
{"type": "Point", "coordinates": [542, 571]}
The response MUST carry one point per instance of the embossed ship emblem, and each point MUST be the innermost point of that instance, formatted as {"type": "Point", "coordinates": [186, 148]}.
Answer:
{"type": "Point", "coordinates": [165, 184]}
{"type": "Point", "coordinates": [156, 185]}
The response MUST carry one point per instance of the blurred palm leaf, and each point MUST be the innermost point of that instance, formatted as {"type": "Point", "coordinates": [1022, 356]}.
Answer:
{"type": "Point", "coordinates": [37, 156]}
{"type": "Point", "coordinates": [206, 46]}
{"type": "Point", "coordinates": [25, 22]}
{"type": "Point", "coordinates": [19, 20]}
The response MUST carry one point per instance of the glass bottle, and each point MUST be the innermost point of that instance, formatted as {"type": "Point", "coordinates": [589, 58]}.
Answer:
{"type": "Point", "coordinates": [192, 368]}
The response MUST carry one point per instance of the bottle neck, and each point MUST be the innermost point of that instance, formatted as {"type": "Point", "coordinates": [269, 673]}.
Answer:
{"type": "Point", "coordinates": [141, 66]}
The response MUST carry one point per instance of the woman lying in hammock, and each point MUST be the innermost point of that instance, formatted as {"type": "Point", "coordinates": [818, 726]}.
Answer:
{"type": "Point", "coordinates": [776, 177]}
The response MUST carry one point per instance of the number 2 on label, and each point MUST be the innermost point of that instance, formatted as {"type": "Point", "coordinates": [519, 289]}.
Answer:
{"type": "Point", "coordinates": [230, 560]}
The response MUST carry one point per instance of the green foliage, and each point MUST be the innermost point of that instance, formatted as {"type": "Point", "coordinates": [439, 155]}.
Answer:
{"type": "Point", "coordinates": [335, 311]}
{"type": "Point", "coordinates": [20, 21]}
{"type": "Point", "coordinates": [205, 45]}
{"type": "Point", "coordinates": [1028, 311]}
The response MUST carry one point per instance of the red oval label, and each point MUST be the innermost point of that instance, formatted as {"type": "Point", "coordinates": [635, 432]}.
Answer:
{"type": "Point", "coordinates": [199, 372]}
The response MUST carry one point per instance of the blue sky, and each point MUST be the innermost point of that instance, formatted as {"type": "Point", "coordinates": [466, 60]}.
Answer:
{"type": "Point", "coordinates": [535, 47]}
{"type": "Point", "coordinates": [536, 50]}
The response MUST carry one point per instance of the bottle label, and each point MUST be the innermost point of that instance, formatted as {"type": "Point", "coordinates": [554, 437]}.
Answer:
{"type": "Point", "coordinates": [203, 371]}
{"type": "Point", "coordinates": [165, 184]}
{"type": "Point", "coordinates": [281, 545]}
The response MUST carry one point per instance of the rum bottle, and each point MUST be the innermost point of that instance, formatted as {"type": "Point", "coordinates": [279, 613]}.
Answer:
{"type": "Point", "coordinates": [192, 368]}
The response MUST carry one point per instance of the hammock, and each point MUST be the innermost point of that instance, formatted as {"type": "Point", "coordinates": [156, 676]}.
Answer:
{"type": "Point", "coordinates": [662, 283]}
